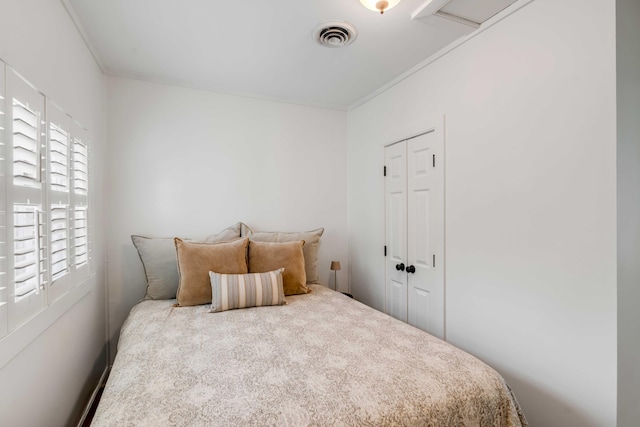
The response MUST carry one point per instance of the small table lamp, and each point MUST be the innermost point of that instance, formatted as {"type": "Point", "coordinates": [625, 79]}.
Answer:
{"type": "Point", "coordinates": [335, 266]}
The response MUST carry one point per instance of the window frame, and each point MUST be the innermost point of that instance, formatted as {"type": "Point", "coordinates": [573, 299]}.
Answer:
{"type": "Point", "coordinates": [23, 319]}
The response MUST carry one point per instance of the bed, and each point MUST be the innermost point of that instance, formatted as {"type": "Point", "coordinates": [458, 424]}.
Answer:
{"type": "Point", "coordinates": [322, 359]}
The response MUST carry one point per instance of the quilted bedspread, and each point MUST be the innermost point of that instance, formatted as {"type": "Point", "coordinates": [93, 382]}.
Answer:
{"type": "Point", "coordinates": [321, 360]}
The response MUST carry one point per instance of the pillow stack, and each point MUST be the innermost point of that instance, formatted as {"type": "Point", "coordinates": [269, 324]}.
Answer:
{"type": "Point", "coordinates": [160, 263]}
{"type": "Point", "coordinates": [230, 271]}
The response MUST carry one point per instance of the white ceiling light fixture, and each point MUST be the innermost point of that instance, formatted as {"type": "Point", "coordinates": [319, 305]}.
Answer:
{"type": "Point", "coordinates": [379, 5]}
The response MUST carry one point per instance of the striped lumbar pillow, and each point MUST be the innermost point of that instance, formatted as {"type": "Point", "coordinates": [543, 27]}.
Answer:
{"type": "Point", "coordinates": [231, 291]}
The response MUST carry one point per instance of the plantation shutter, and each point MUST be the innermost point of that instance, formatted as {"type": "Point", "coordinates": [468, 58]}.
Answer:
{"type": "Point", "coordinates": [81, 237]}
{"type": "Point", "coordinates": [45, 221]}
{"type": "Point", "coordinates": [80, 201]}
{"type": "Point", "coordinates": [4, 291]}
{"type": "Point", "coordinates": [26, 150]}
{"type": "Point", "coordinates": [58, 157]}
{"type": "Point", "coordinates": [26, 241]}
{"type": "Point", "coordinates": [60, 215]}
{"type": "Point", "coordinates": [26, 249]}
{"type": "Point", "coordinates": [59, 238]}
{"type": "Point", "coordinates": [80, 170]}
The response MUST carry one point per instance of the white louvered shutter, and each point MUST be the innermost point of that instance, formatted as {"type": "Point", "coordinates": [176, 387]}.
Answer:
{"type": "Point", "coordinates": [26, 141]}
{"type": "Point", "coordinates": [80, 167]}
{"type": "Point", "coordinates": [81, 237]}
{"type": "Point", "coordinates": [45, 219]}
{"type": "Point", "coordinates": [26, 250]}
{"type": "Point", "coordinates": [58, 157]}
{"type": "Point", "coordinates": [80, 203]}
{"type": "Point", "coordinates": [4, 292]}
{"type": "Point", "coordinates": [59, 241]}
{"type": "Point", "coordinates": [60, 216]}
{"type": "Point", "coordinates": [27, 244]}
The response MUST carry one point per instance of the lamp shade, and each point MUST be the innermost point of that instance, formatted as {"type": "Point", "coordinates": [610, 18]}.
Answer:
{"type": "Point", "coordinates": [335, 265]}
{"type": "Point", "coordinates": [379, 5]}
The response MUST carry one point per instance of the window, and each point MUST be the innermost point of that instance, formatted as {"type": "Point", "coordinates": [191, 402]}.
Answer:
{"type": "Point", "coordinates": [44, 215]}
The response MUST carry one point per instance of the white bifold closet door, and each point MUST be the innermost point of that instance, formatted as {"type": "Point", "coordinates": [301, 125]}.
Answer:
{"type": "Point", "coordinates": [414, 203]}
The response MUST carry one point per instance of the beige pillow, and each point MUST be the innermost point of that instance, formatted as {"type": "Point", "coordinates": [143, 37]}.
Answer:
{"type": "Point", "coordinates": [310, 250]}
{"type": "Point", "coordinates": [231, 291]}
{"type": "Point", "coordinates": [196, 260]}
{"type": "Point", "coordinates": [265, 256]}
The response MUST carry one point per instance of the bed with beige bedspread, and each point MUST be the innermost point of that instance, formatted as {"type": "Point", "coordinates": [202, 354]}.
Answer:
{"type": "Point", "coordinates": [321, 360]}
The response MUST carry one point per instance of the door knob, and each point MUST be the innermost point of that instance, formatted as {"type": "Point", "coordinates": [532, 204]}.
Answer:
{"type": "Point", "coordinates": [411, 269]}
{"type": "Point", "coordinates": [400, 267]}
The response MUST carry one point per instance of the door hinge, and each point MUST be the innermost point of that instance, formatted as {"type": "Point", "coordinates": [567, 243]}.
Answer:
{"type": "Point", "coordinates": [385, 171]}
{"type": "Point", "coordinates": [385, 250]}
{"type": "Point", "coordinates": [434, 160]}
{"type": "Point", "coordinates": [434, 260]}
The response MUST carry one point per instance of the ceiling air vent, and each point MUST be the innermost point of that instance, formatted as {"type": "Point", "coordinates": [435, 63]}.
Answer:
{"type": "Point", "coordinates": [335, 34]}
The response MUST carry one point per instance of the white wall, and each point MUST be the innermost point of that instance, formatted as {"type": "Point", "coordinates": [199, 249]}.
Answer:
{"type": "Point", "coordinates": [190, 163]}
{"type": "Point", "coordinates": [50, 381]}
{"type": "Point", "coordinates": [628, 89]}
{"type": "Point", "coordinates": [530, 202]}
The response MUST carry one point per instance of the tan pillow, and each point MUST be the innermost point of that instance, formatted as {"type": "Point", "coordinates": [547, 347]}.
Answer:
{"type": "Point", "coordinates": [310, 250]}
{"type": "Point", "coordinates": [196, 260]}
{"type": "Point", "coordinates": [265, 256]}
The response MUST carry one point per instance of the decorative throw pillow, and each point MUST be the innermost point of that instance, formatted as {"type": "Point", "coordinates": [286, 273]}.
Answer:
{"type": "Point", "coordinates": [310, 250]}
{"type": "Point", "coordinates": [265, 256]}
{"type": "Point", "coordinates": [231, 291]}
{"type": "Point", "coordinates": [158, 256]}
{"type": "Point", "coordinates": [196, 260]}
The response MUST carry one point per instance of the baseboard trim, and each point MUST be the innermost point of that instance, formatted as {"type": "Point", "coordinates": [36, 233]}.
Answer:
{"type": "Point", "coordinates": [87, 408]}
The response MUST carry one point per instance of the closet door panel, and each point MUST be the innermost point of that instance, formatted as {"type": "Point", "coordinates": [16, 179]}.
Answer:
{"type": "Point", "coordinates": [425, 207]}
{"type": "Point", "coordinates": [396, 230]}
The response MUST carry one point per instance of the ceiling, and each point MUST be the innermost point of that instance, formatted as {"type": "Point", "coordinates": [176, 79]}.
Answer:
{"type": "Point", "coordinates": [262, 49]}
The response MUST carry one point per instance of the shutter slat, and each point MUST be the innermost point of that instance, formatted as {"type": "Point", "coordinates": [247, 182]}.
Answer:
{"type": "Point", "coordinates": [24, 135]}
{"type": "Point", "coordinates": [21, 120]}
{"type": "Point", "coordinates": [24, 264]}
